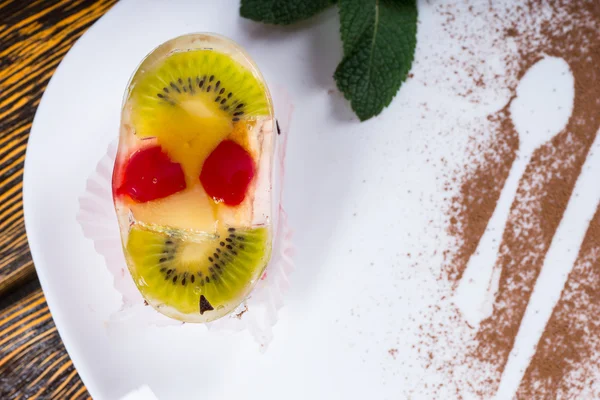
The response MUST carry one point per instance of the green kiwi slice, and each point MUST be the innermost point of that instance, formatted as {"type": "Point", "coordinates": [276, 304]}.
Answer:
{"type": "Point", "coordinates": [196, 87]}
{"type": "Point", "coordinates": [196, 280]}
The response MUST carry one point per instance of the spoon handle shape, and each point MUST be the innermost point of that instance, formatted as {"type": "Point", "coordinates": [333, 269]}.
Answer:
{"type": "Point", "coordinates": [476, 291]}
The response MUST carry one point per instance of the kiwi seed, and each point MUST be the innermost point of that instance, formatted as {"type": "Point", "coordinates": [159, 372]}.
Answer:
{"type": "Point", "coordinates": [180, 88]}
{"type": "Point", "coordinates": [215, 269]}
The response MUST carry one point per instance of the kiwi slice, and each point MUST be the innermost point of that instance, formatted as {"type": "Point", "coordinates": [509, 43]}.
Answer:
{"type": "Point", "coordinates": [196, 280]}
{"type": "Point", "coordinates": [199, 85]}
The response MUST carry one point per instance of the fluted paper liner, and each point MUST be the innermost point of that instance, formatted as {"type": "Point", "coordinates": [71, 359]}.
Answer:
{"type": "Point", "coordinates": [258, 313]}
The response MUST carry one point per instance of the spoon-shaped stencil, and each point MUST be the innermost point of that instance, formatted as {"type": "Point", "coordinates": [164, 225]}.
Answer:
{"type": "Point", "coordinates": [540, 110]}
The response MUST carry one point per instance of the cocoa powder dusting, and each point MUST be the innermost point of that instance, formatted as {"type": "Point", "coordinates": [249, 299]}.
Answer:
{"type": "Point", "coordinates": [551, 176]}
{"type": "Point", "coordinates": [570, 30]}
{"type": "Point", "coordinates": [568, 353]}
{"type": "Point", "coordinates": [476, 202]}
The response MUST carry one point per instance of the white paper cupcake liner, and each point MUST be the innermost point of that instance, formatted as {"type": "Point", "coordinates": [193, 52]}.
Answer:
{"type": "Point", "coordinates": [257, 314]}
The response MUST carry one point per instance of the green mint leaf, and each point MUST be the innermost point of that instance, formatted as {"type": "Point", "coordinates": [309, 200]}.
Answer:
{"type": "Point", "coordinates": [282, 12]}
{"type": "Point", "coordinates": [379, 44]}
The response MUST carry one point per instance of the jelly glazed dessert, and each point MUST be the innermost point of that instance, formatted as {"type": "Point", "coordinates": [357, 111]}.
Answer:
{"type": "Point", "coordinates": [192, 177]}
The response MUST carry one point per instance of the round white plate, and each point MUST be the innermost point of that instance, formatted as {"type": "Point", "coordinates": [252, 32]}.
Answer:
{"type": "Point", "coordinates": [365, 201]}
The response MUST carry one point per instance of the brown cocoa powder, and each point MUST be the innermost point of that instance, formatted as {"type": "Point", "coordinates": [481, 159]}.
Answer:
{"type": "Point", "coordinates": [571, 340]}
{"type": "Point", "coordinates": [475, 204]}
{"type": "Point", "coordinates": [570, 31]}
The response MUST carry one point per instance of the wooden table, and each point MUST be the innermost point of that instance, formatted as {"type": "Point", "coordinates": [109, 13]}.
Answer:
{"type": "Point", "coordinates": [34, 37]}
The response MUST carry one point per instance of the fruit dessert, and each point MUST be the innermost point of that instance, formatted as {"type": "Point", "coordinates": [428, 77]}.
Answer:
{"type": "Point", "coordinates": [192, 177]}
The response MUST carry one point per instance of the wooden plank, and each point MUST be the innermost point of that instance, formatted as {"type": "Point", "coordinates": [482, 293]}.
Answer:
{"type": "Point", "coordinates": [34, 37]}
{"type": "Point", "coordinates": [33, 361]}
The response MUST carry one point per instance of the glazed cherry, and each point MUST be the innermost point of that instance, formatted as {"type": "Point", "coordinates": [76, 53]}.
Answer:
{"type": "Point", "coordinates": [151, 175]}
{"type": "Point", "coordinates": [227, 173]}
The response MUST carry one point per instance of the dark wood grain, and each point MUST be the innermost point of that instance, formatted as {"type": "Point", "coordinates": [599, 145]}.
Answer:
{"type": "Point", "coordinates": [33, 360]}
{"type": "Point", "coordinates": [34, 37]}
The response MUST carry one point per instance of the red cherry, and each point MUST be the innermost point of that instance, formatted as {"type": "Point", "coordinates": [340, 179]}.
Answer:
{"type": "Point", "coordinates": [227, 173]}
{"type": "Point", "coordinates": [150, 175]}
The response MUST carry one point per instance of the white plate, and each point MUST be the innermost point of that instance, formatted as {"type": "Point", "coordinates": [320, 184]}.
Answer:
{"type": "Point", "coordinates": [361, 198]}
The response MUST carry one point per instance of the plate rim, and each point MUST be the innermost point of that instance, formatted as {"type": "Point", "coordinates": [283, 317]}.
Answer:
{"type": "Point", "coordinates": [30, 224]}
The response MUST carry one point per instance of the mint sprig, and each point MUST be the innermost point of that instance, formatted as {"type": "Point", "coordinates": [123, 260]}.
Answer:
{"type": "Point", "coordinates": [379, 38]}
{"type": "Point", "coordinates": [379, 45]}
{"type": "Point", "coordinates": [282, 12]}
